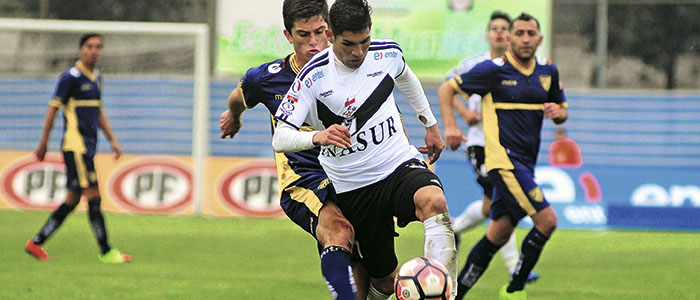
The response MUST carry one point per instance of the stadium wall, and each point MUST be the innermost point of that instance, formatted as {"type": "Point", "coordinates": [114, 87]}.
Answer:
{"type": "Point", "coordinates": [640, 156]}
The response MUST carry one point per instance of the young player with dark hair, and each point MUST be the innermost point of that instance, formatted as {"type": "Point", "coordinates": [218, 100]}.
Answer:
{"type": "Point", "coordinates": [519, 90]}
{"type": "Point", "coordinates": [345, 93]}
{"type": "Point", "coordinates": [307, 197]}
{"type": "Point", "coordinates": [78, 93]}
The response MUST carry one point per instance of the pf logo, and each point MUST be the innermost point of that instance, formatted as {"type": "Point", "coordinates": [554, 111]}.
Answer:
{"type": "Point", "coordinates": [31, 184]}
{"type": "Point", "coordinates": [153, 186]}
{"type": "Point", "coordinates": [252, 190]}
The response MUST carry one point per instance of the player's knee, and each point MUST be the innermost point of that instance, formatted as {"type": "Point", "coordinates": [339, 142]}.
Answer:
{"type": "Point", "coordinates": [339, 232]}
{"type": "Point", "coordinates": [430, 201]}
{"type": "Point", "coordinates": [547, 223]}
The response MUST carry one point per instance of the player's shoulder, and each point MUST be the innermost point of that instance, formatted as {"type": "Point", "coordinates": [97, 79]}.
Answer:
{"type": "Point", "coordinates": [267, 69]}
{"type": "Point", "coordinates": [316, 65]}
{"type": "Point", "coordinates": [384, 44]}
{"type": "Point", "coordinates": [541, 61]}
{"type": "Point", "coordinates": [73, 72]}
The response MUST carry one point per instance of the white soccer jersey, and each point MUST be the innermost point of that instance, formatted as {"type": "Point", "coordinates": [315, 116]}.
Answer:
{"type": "Point", "coordinates": [475, 135]}
{"type": "Point", "coordinates": [363, 101]}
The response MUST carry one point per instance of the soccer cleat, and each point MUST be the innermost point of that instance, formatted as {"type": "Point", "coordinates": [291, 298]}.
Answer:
{"type": "Point", "coordinates": [532, 277]}
{"type": "Point", "coordinates": [114, 256]}
{"type": "Point", "coordinates": [36, 250]}
{"type": "Point", "coordinates": [503, 294]}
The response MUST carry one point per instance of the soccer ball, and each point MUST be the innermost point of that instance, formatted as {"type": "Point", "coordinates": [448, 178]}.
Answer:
{"type": "Point", "coordinates": [422, 278]}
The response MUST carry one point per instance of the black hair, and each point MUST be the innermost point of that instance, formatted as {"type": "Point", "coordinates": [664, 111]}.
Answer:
{"type": "Point", "coordinates": [350, 15]}
{"type": "Point", "coordinates": [525, 17]}
{"type": "Point", "coordinates": [87, 36]}
{"type": "Point", "coordinates": [497, 14]}
{"type": "Point", "coordinates": [295, 10]}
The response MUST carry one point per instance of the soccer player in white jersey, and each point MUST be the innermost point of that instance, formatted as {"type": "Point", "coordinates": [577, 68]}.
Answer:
{"type": "Point", "coordinates": [345, 93]}
{"type": "Point", "coordinates": [476, 213]}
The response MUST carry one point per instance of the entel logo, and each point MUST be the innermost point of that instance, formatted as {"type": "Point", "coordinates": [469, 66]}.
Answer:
{"type": "Point", "coordinates": [252, 190]}
{"type": "Point", "coordinates": [31, 184]}
{"type": "Point", "coordinates": [654, 195]}
{"type": "Point", "coordinates": [152, 186]}
{"type": "Point", "coordinates": [558, 187]}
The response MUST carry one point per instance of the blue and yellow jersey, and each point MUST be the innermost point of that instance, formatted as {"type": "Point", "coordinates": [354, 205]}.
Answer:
{"type": "Point", "coordinates": [513, 100]}
{"type": "Point", "coordinates": [78, 93]}
{"type": "Point", "coordinates": [267, 84]}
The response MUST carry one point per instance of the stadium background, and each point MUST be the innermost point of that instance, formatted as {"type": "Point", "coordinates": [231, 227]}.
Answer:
{"type": "Point", "coordinates": [640, 141]}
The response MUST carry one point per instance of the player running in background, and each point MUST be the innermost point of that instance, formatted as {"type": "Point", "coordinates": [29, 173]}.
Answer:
{"type": "Point", "coordinates": [345, 92]}
{"type": "Point", "coordinates": [476, 213]}
{"type": "Point", "coordinates": [307, 197]}
{"type": "Point", "coordinates": [519, 90]}
{"type": "Point", "coordinates": [78, 93]}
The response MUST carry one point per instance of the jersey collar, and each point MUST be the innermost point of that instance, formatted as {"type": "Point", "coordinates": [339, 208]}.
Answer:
{"type": "Point", "coordinates": [526, 71]}
{"type": "Point", "coordinates": [293, 63]}
{"type": "Point", "coordinates": [89, 74]}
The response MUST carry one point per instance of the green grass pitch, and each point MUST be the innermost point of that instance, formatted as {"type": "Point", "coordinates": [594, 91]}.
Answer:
{"type": "Point", "coordinates": [236, 258]}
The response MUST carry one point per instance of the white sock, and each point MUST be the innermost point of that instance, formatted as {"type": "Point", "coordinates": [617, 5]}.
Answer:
{"type": "Point", "coordinates": [469, 218]}
{"type": "Point", "coordinates": [374, 294]}
{"type": "Point", "coordinates": [440, 245]}
{"type": "Point", "coordinates": [509, 252]}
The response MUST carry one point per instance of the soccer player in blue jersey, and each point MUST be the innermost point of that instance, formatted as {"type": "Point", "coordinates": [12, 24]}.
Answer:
{"type": "Point", "coordinates": [346, 93]}
{"type": "Point", "coordinates": [78, 93]}
{"type": "Point", "coordinates": [307, 197]}
{"type": "Point", "coordinates": [518, 91]}
{"type": "Point", "coordinates": [476, 213]}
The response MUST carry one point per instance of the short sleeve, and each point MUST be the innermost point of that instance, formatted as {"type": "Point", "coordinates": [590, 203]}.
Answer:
{"type": "Point", "coordinates": [250, 87]}
{"type": "Point", "coordinates": [475, 81]}
{"type": "Point", "coordinates": [556, 94]}
{"type": "Point", "coordinates": [63, 91]}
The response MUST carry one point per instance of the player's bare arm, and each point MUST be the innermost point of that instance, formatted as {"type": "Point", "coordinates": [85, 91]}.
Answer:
{"type": "Point", "coordinates": [471, 117]}
{"type": "Point", "coordinates": [103, 122]}
{"type": "Point", "coordinates": [558, 113]}
{"type": "Point", "coordinates": [40, 151]}
{"type": "Point", "coordinates": [336, 135]}
{"type": "Point", "coordinates": [230, 120]}
{"type": "Point", "coordinates": [453, 136]}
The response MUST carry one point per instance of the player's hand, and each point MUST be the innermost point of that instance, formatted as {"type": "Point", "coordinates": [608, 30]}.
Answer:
{"type": "Point", "coordinates": [473, 118]}
{"type": "Point", "coordinates": [116, 149]}
{"type": "Point", "coordinates": [40, 152]}
{"type": "Point", "coordinates": [336, 135]}
{"type": "Point", "coordinates": [228, 126]}
{"type": "Point", "coordinates": [552, 110]}
{"type": "Point", "coordinates": [433, 144]}
{"type": "Point", "coordinates": [454, 137]}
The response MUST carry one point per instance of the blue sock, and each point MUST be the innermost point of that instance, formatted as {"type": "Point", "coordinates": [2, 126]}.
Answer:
{"type": "Point", "coordinates": [54, 221]}
{"type": "Point", "coordinates": [529, 254]}
{"type": "Point", "coordinates": [335, 266]}
{"type": "Point", "coordinates": [477, 262]}
{"type": "Point", "coordinates": [97, 222]}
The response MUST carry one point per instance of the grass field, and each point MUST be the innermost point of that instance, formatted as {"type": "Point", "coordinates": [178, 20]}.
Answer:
{"type": "Point", "coordinates": [227, 258]}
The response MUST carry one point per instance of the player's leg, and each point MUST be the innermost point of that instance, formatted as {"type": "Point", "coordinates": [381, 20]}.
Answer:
{"type": "Point", "coordinates": [545, 223]}
{"type": "Point", "coordinates": [525, 197]}
{"type": "Point", "coordinates": [335, 234]}
{"type": "Point", "coordinates": [310, 204]}
{"type": "Point", "coordinates": [33, 246]}
{"type": "Point", "coordinates": [73, 192]}
{"type": "Point", "coordinates": [481, 254]}
{"type": "Point", "coordinates": [87, 178]}
{"type": "Point", "coordinates": [418, 194]}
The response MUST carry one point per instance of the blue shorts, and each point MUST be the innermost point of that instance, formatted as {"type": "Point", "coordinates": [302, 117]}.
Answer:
{"type": "Point", "coordinates": [516, 193]}
{"type": "Point", "coordinates": [303, 199]}
{"type": "Point", "coordinates": [80, 170]}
